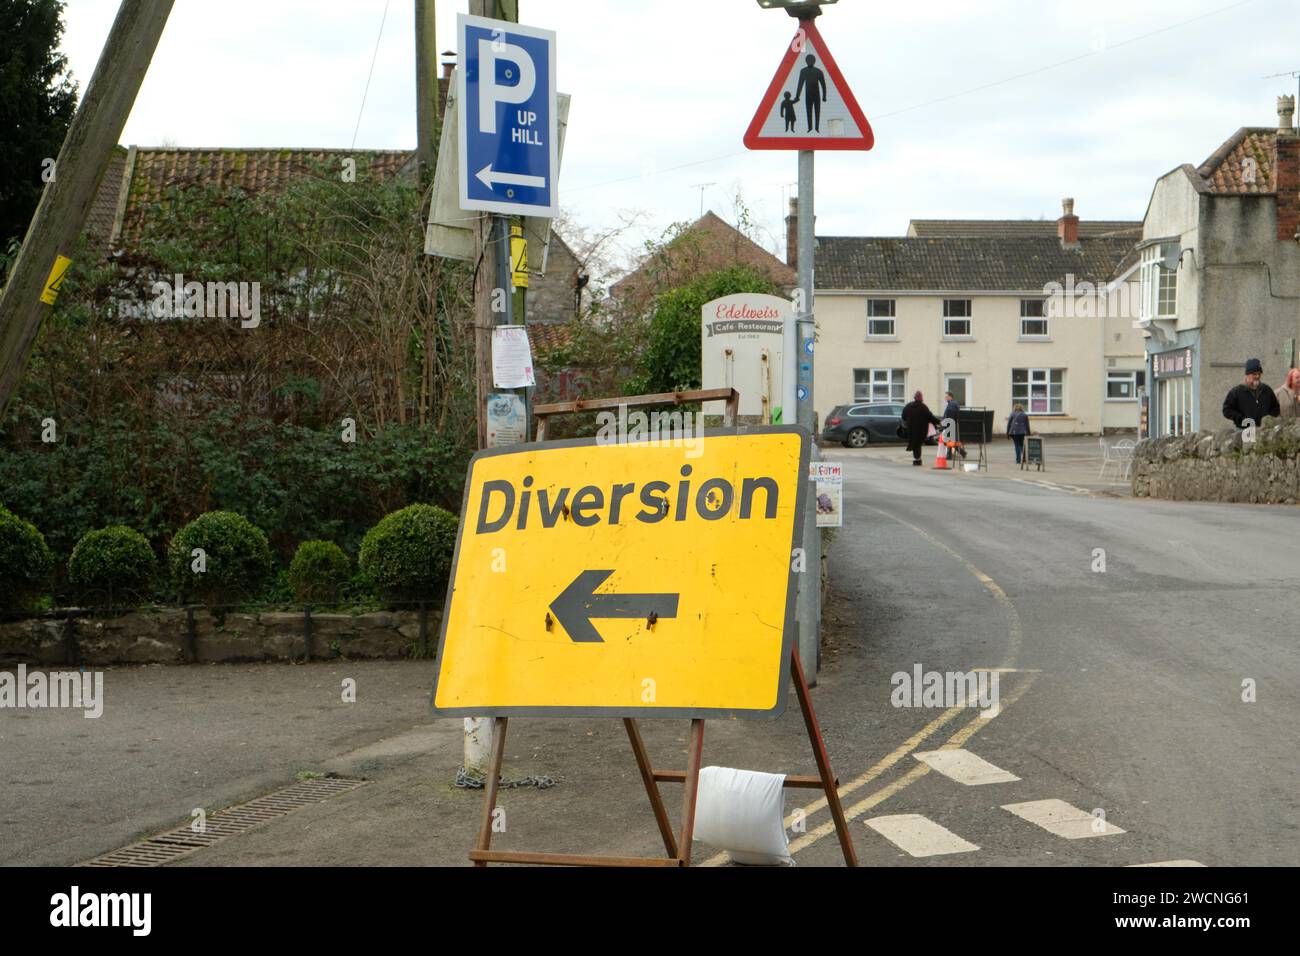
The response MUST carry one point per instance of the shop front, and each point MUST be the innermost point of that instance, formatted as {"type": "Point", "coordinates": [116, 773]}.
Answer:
{"type": "Point", "coordinates": [1173, 406]}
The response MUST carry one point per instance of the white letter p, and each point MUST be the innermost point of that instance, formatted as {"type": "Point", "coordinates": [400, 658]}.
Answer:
{"type": "Point", "coordinates": [489, 92]}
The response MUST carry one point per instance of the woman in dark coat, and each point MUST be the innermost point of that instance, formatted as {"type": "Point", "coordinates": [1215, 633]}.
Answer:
{"type": "Point", "coordinates": [1017, 429]}
{"type": "Point", "coordinates": [917, 419]}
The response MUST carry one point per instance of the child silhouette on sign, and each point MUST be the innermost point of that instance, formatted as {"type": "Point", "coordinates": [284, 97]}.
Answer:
{"type": "Point", "coordinates": [814, 81]}
{"type": "Point", "coordinates": [787, 112]}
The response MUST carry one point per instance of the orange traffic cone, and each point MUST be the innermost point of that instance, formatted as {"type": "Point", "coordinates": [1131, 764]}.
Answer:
{"type": "Point", "coordinates": [941, 459]}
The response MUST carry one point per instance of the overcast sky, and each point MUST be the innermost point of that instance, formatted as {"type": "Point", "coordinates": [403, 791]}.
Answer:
{"type": "Point", "coordinates": [980, 110]}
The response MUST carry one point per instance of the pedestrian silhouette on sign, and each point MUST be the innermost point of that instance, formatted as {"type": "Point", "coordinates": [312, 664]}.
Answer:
{"type": "Point", "coordinates": [815, 81]}
{"type": "Point", "coordinates": [787, 112]}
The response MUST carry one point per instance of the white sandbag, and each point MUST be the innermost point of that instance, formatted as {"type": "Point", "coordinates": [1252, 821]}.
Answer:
{"type": "Point", "coordinates": [743, 812]}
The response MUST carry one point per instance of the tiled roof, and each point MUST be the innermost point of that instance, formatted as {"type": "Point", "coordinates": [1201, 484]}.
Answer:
{"type": "Point", "coordinates": [103, 209]}
{"type": "Point", "coordinates": [962, 264]}
{"type": "Point", "coordinates": [156, 171]}
{"type": "Point", "coordinates": [1230, 169]}
{"type": "Point", "coordinates": [252, 170]}
{"type": "Point", "coordinates": [153, 171]}
{"type": "Point", "coordinates": [1019, 228]}
{"type": "Point", "coordinates": [548, 336]}
{"type": "Point", "coordinates": [711, 243]}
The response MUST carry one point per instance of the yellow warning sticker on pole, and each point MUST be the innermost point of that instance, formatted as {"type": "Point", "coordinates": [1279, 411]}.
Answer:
{"type": "Point", "coordinates": [647, 579]}
{"type": "Point", "coordinates": [518, 258]}
{"type": "Point", "coordinates": [55, 280]}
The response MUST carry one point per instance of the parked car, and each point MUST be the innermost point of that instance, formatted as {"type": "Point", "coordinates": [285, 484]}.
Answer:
{"type": "Point", "coordinates": [868, 423]}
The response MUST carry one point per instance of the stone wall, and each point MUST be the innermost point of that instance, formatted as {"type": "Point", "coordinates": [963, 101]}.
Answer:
{"type": "Point", "coordinates": [162, 636]}
{"type": "Point", "coordinates": [1220, 466]}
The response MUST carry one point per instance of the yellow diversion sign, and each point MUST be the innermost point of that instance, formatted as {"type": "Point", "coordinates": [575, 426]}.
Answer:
{"type": "Point", "coordinates": [635, 580]}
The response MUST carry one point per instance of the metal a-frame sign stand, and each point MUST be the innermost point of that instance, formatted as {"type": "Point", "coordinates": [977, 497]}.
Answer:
{"type": "Point", "coordinates": [677, 847]}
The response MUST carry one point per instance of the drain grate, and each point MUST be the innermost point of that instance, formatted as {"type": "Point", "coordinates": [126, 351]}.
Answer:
{"type": "Point", "coordinates": [174, 844]}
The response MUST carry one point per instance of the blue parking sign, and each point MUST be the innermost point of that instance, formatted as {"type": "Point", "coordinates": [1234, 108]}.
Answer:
{"type": "Point", "coordinates": [507, 116]}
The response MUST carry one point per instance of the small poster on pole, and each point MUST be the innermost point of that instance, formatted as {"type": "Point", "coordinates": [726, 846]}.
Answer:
{"type": "Point", "coordinates": [829, 476]}
{"type": "Point", "coordinates": [506, 419]}
{"type": "Point", "coordinates": [512, 357]}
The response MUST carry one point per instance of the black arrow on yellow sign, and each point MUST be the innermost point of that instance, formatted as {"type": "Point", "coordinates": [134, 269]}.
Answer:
{"type": "Point", "coordinates": [578, 604]}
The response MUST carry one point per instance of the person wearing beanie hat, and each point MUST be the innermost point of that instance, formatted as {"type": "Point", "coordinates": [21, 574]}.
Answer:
{"type": "Point", "coordinates": [1252, 400]}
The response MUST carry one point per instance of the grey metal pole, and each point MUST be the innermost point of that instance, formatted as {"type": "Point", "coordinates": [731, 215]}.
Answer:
{"type": "Point", "coordinates": [501, 236]}
{"type": "Point", "coordinates": [809, 599]}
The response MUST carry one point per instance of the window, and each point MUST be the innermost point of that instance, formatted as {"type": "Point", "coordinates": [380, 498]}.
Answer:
{"type": "Point", "coordinates": [956, 317]}
{"type": "Point", "coordinates": [1040, 390]}
{"type": "Point", "coordinates": [879, 384]}
{"type": "Point", "coordinates": [1174, 403]}
{"type": "Point", "coordinates": [1124, 386]}
{"type": "Point", "coordinates": [1033, 319]}
{"type": "Point", "coordinates": [880, 317]}
{"type": "Point", "coordinates": [1159, 284]}
{"type": "Point", "coordinates": [959, 384]}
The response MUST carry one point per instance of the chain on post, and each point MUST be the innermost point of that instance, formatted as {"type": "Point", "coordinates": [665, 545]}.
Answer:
{"type": "Point", "coordinates": [472, 781]}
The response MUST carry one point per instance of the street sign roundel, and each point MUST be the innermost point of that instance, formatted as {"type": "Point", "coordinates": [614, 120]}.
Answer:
{"type": "Point", "coordinates": [808, 104]}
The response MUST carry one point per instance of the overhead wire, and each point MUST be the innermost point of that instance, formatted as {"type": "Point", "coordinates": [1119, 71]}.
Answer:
{"type": "Point", "coordinates": [373, 59]}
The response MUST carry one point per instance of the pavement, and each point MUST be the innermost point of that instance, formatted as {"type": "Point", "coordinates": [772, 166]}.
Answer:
{"type": "Point", "coordinates": [1121, 686]}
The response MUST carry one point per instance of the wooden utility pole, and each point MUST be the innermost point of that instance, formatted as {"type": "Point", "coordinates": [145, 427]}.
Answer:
{"type": "Point", "coordinates": [492, 261]}
{"type": "Point", "coordinates": [61, 214]}
{"type": "Point", "coordinates": [427, 116]}
{"type": "Point", "coordinates": [491, 272]}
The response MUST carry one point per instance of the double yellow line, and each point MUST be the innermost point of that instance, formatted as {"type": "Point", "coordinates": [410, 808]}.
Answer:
{"type": "Point", "coordinates": [955, 742]}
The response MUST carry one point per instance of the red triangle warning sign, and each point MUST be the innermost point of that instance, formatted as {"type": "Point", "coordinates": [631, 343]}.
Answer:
{"type": "Point", "coordinates": [808, 105]}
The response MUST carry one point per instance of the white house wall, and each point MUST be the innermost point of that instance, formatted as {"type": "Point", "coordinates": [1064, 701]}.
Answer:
{"type": "Point", "coordinates": [1077, 344]}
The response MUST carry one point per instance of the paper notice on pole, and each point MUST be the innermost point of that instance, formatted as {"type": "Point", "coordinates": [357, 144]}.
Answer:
{"type": "Point", "coordinates": [506, 416]}
{"type": "Point", "coordinates": [830, 492]}
{"type": "Point", "coordinates": [512, 357]}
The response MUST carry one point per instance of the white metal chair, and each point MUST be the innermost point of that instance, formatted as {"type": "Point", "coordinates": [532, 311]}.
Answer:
{"type": "Point", "coordinates": [1124, 449]}
{"type": "Point", "coordinates": [1107, 459]}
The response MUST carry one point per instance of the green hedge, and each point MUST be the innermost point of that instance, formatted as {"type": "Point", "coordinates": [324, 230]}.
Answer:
{"type": "Point", "coordinates": [25, 563]}
{"type": "Point", "coordinates": [113, 564]}
{"type": "Point", "coordinates": [237, 558]}
{"type": "Point", "coordinates": [295, 483]}
{"type": "Point", "coordinates": [407, 555]}
{"type": "Point", "coordinates": [319, 571]}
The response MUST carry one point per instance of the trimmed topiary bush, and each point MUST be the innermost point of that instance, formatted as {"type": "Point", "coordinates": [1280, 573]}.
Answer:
{"type": "Point", "coordinates": [113, 564]}
{"type": "Point", "coordinates": [407, 555]}
{"type": "Point", "coordinates": [237, 558]}
{"type": "Point", "coordinates": [25, 562]}
{"type": "Point", "coordinates": [318, 571]}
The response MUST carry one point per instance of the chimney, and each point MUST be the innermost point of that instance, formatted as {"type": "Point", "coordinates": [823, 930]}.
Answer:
{"type": "Point", "coordinates": [1285, 110]}
{"type": "Point", "coordinates": [792, 235]}
{"type": "Point", "coordinates": [1287, 172]}
{"type": "Point", "coordinates": [448, 63]}
{"type": "Point", "coordinates": [1067, 227]}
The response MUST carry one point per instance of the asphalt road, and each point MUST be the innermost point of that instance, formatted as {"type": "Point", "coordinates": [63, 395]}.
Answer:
{"type": "Point", "coordinates": [1120, 692]}
{"type": "Point", "coordinates": [1130, 679]}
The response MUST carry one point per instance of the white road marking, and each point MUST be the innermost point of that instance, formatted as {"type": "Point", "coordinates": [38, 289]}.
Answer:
{"type": "Point", "coordinates": [1053, 486]}
{"type": "Point", "coordinates": [965, 767]}
{"type": "Point", "coordinates": [1168, 863]}
{"type": "Point", "coordinates": [1059, 817]}
{"type": "Point", "coordinates": [917, 836]}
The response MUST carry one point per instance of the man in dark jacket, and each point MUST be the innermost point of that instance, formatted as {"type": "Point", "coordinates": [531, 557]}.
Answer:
{"type": "Point", "coordinates": [917, 419]}
{"type": "Point", "coordinates": [1248, 403]}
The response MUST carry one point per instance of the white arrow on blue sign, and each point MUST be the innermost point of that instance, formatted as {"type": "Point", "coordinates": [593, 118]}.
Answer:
{"type": "Point", "coordinates": [507, 117]}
